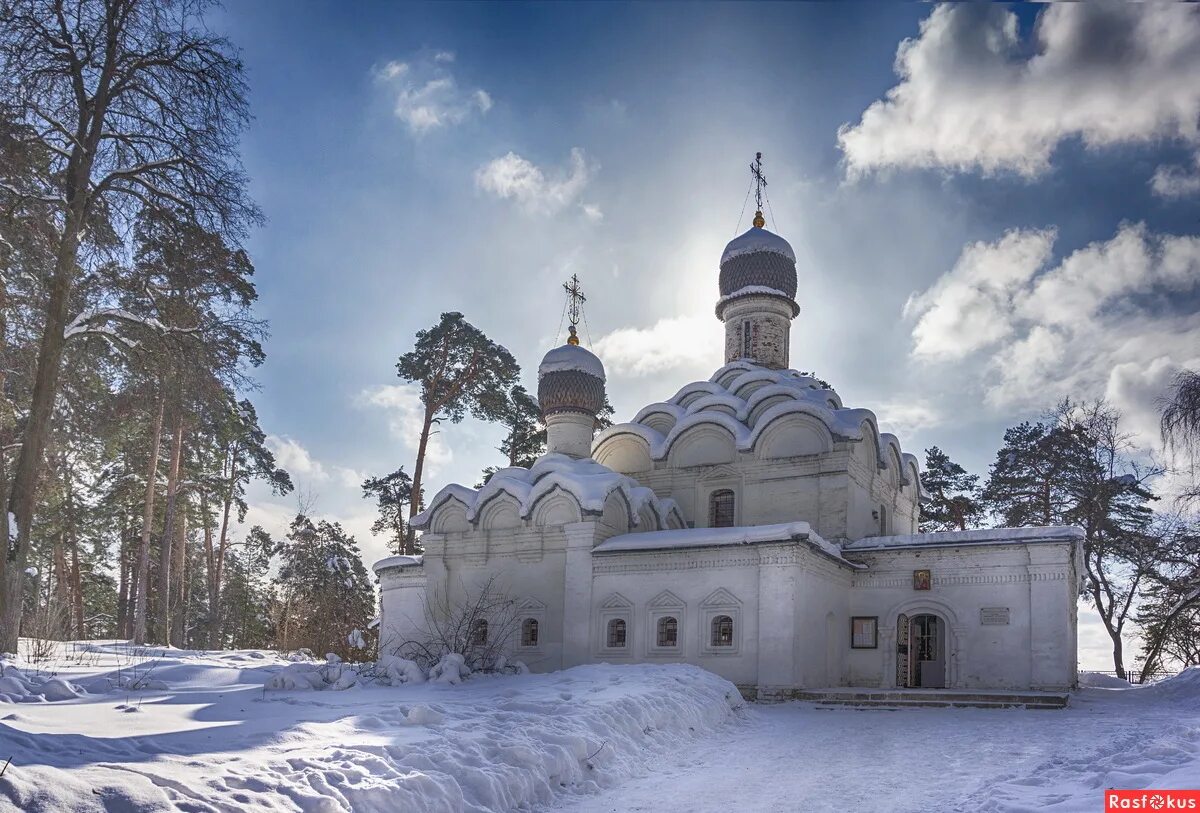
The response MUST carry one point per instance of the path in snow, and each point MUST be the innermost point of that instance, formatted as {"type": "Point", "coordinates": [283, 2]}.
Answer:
{"type": "Point", "coordinates": [796, 756]}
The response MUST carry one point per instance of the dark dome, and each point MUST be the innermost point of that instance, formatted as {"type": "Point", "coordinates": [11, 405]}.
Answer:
{"type": "Point", "coordinates": [570, 379]}
{"type": "Point", "coordinates": [758, 259]}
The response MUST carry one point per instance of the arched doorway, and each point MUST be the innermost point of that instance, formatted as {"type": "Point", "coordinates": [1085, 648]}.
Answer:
{"type": "Point", "coordinates": [921, 651]}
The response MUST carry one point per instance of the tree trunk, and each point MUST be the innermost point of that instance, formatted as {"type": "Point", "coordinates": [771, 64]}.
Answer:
{"type": "Point", "coordinates": [414, 505]}
{"type": "Point", "coordinates": [210, 575]}
{"type": "Point", "coordinates": [142, 576]}
{"type": "Point", "coordinates": [23, 496]}
{"type": "Point", "coordinates": [223, 541]}
{"type": "Point", "coordinates": [60, 609]}
{"type": "Point", "coordinates": [77, 589]}
{"type": "Point", "coordinates": [180, 592]}
{"type": "Point", "coordinates": [165, 553]}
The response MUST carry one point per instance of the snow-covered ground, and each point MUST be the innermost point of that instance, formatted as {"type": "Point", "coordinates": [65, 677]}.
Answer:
{"type": "Point", "coordinates": [210, 737]}
{"type": "Point", "coordinates": [197, 731]}
{"type": "Point", "coordinates": [796, 756]}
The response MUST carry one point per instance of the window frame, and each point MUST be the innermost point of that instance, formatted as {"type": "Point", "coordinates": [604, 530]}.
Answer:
{"type": "Point", "coordinates": [658, 617]}
{"type": "Point", "coordinates": [610, 627]}
{"type": "Point", "coordinates": [712, 506]}
{"type": "Point", "coordinates": [537, 633]}
{"type": "Point", "coordinates": [706, 631]}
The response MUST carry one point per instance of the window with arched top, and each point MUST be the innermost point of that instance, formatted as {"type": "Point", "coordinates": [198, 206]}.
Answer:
{"type": "Point", "coordinates": [479, 632]}
{"type": "Point", "coordinates": [720, 509]}
{"type": "Point", "coordinates": [529, 632]}
{"type": "Point", "coordinates": [668, 631]}
{"type": "Point", "coordinates": [616, 633]}
{"type": "Point", "coordinates": [722, 630]}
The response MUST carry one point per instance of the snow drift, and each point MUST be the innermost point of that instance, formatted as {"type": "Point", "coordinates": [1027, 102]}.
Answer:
{"type": "Point", "coordinates": [223, 743]}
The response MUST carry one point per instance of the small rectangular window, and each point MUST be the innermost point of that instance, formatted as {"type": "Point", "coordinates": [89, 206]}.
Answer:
{"type": "Point", "coordinates": [720, 509]}
{"type": "Point", "coordinates": [616, 633]}
{"type": "Point", "coordinates": [746, 339]}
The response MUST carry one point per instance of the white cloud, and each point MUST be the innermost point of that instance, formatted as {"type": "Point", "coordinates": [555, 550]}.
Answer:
{"type": "Point", "coordinates": [1102, 322]}
{"type": "Point", "coordinates": [426, 94]}
{"type": "Point", "coordinates": [592, 212]}
{"type": "Point", "coordinates": [973, 96]}
{"type": "Point", "coordinates": [967, 308]}
{"type": "Point", "coordinates": [291, 456]}
{"type": "Point", "coordinates": [903, 417]}
{"type": "Point", "coordinates": [405, 417]}
{"type": "Point", "coordinates": [1177, 181]}
{"type": "Point", "coordinates": [512, 177]}
{"type": "Point", "coordinates": [677, 343]}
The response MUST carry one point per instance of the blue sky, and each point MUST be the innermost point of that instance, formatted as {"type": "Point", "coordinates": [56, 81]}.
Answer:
{"type": "Point", "coordinates": [999, 212]}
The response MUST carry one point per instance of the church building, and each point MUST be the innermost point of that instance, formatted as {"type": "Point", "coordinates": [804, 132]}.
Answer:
{"type": "Point", "coordinates": [751, 524]}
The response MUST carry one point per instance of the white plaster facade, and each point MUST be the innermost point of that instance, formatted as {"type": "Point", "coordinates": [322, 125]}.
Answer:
{"type": "Point", "coordinates": [616, 557]}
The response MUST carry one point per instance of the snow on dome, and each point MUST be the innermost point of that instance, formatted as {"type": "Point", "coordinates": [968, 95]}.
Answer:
{"type": "Point", "coordinates": [756, 240]}
{"type": "Point", "coordinates": [571, 357]}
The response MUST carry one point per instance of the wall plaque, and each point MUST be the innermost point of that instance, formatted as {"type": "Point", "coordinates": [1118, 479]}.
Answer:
{"type": "Point", "coordinates": [993, 615]}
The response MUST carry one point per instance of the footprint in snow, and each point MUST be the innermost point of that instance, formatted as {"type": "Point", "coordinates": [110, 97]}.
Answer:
{"type": "Point", "coordinates": [565, 695]}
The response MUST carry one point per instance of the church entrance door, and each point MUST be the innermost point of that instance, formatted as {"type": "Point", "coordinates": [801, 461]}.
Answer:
{"type": "Point", "coordinates": [927, 652]}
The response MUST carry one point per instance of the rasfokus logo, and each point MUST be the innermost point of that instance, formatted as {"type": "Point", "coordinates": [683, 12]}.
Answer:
{"type": "Point", "coordinates": [1151, 800]}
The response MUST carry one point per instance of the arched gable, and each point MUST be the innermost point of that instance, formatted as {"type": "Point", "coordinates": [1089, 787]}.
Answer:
{"type": "Point", "coordinates": [450, 517]}
{"type": "Point", "coordinates": [793, 435]}
{"type": "Point", "coordinates": [617, 511]}
{"type": "Point", "coordinates": [702, 444]}
{"type": "Point", "coordinates": [556, 507]}
{"type": "Point", "coordinates": [500, 511]}
{"type": "Point", "coordinates": [623, 452]}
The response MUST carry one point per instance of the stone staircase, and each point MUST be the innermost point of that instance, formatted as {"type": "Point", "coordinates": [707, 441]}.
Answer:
{"type": "Point", "coordinates": [931, 698]}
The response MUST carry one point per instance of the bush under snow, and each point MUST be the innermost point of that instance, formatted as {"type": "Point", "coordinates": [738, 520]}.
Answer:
{"type": "Point", "coordinates": [389, 670]}
{"type": "Point", "coordinates": [17, 687]}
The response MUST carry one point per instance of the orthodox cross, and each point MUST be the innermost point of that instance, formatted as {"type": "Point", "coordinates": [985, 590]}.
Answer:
{"type": "Point", "coordinates": [575, 300]}
{"type": "Point", "coordinates": [760, 183]}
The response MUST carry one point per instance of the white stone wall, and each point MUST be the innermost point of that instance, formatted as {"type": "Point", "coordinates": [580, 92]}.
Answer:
{"type": "Point", "coordinates": [839, 493]}
{"type": "Point", "coordinates": [769, 590]}
{"type": "Point", "coordinates": [791, 605]}
{"type": "Point", "coordinates": [1037, 584]}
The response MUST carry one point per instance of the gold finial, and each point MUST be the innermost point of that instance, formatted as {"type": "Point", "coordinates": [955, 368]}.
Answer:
{"type": "Point", "coordinates": [759, 222]}
{"type": "Point", "coordinates": [572, 339]}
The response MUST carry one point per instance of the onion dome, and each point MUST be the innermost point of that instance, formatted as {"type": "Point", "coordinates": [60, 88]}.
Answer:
{"type": "Point", "coordinates": [758, 262]}
{"type": "Point", "coordinates": [570, 379]}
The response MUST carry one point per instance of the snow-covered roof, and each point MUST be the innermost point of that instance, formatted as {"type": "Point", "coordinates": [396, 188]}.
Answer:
{"type": "Point", "coordinates": [686, 538]}
{"type": "Point", "coordinates": [397, 561]}
{"type": "Point", "coordinates": [980, 536]}
{"type": "Point", "coordinates": [571, 357]}
{"type": "Point", "coordinates": [757, 396]}
{"type": "Point", "coordinates": [587, 481]}
{"type": "Point", "coordinates": [757, 239]}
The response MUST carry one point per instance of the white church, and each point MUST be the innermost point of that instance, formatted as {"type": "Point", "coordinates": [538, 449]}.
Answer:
{"type": "Point", "coordinates": [751, 524]}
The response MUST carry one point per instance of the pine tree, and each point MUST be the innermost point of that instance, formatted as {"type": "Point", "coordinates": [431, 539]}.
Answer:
{"type": "Point", "coordinates": [953, 495]}
{"type": "Point", "coordinates": [124, 104]}
{"type": "Point", "coordinates": [325, 592]}
{"type": "Point", "coordinates": [459, 370]}
{"type": "Point", "coordinates": [1076, 467]}
{"type": "Point", "coordinates": [392, 493]}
